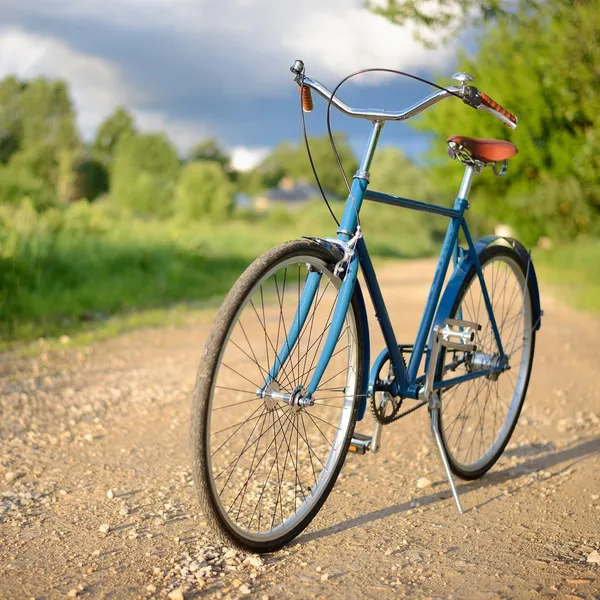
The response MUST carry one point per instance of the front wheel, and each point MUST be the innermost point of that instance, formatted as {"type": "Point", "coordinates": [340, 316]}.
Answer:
{"type": "Point", "coordinates": [478, 417]}
{"type": "Point", "coordinates": [262, 467]}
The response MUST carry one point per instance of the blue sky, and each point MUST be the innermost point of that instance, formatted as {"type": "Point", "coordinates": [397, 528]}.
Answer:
{"type": "Point", "coordinates": [199, 68]}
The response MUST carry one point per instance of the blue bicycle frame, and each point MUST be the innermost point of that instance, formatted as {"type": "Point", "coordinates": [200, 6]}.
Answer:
{"type": "Point", "coordinates": [406, 382]}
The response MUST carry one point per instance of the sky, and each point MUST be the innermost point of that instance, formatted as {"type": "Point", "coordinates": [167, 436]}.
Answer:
{"type": "Point", "coordinates": [219, 68]}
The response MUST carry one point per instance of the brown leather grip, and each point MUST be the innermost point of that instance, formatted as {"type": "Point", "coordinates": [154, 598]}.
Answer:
{"type": "Point", "coordinates": [307, 101]}
{"type": "Point", "coordinates": [487, 101]}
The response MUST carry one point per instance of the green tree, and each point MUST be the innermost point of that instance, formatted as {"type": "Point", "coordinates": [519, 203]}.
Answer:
{"type": "Point", "coordinates": [211, 150]}
{"type": "Point", "coordinates": [144, 173]}
{"type": "Point", "coordinates": [394, 173]}
{"type": "Point", "coordinates": [445, 18]}
{"type": "Point", "coordinates": [38, 131]}
{"type": "Point", "coordinates": [11, 125]}
{"type": "Point", "coordinates": [110, 132]}
{"type": "Point", "coordinates": [545, 68]}
{"type": "Point", "coordinates": [18, 185]}
{"type": "Point", "coordinates": [291, 160]}
{"type": "Point", "coordinates": [91, 179]}
{"type": "Point", "coordinates": [204, 191]}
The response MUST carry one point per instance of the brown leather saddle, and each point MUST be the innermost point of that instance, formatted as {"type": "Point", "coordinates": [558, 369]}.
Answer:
{"type": "Point", "coordinates": [483, 150]}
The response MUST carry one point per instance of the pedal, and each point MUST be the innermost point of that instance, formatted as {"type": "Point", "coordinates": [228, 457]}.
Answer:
{"type": "Point", "coordinates": [459, 335]}
{"type": "Point", "coordinates": [360, 443]}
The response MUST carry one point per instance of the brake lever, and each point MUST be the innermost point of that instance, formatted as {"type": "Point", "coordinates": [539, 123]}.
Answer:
{"type": "Point", "coordinates": [471, 96]}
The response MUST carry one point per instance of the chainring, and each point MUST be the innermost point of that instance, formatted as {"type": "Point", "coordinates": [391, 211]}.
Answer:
{"type": "Point", "coordinates": [381, 409]}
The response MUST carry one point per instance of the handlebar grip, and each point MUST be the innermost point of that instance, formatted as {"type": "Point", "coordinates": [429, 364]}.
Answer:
{"type": "Point", "coordinates": [307, 101]}
{"type": "Point", "coordinates": [487, 101]}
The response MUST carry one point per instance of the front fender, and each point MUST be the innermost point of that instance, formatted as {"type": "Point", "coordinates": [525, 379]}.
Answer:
{"type": "Point", "coordinates": [463, 268]}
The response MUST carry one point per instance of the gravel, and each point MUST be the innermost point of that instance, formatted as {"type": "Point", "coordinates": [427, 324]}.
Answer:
{"type": "Point", "coordinates": [96, 493]}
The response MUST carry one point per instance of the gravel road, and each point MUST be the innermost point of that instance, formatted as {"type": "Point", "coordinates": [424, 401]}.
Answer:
{"type": "Point", "coordinates": [96, 498]}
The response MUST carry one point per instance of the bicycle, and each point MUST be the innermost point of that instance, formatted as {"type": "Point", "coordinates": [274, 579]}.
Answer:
{"type": "Point", "coordinates": [286, 370]}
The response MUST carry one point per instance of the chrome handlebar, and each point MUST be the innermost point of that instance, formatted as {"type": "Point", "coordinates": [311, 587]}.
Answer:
{"type": "Point", "coordinates": [468, 94]}
{"type": "Point", "coordinates": [376, 114]}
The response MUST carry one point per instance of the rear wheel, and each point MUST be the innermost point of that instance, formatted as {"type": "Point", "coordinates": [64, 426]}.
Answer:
{"type": "Point", "coordinates": [478, 417]}
{"type": "Point", "coordinates": [264, 468]}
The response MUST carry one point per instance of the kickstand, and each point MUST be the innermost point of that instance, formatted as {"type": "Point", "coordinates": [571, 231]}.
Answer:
{"type": "Point", "coordinates": [433, 397]}
{"type": "Point", "coordinates": [434, 411]}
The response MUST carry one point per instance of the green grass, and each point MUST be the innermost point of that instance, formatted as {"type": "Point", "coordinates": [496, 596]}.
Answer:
{"type": "Point", "coordinates": [574, 271]}
{"type": "Point", "coordinates": [94, 270]}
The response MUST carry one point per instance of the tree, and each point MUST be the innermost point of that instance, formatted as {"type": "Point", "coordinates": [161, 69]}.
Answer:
{"type": "Point", "coordinates": [394, 173]}
{"type": "Point", "coordinates": [546, 70]}
{"type": "Point", "coordinates": [48, 118]}
{"type": "Point", "coordinates": [211, 150]}
{"type": "Point", "coordinates": [445, 18]}
{"type": "Point", "coordinates": [292, 160]}
{"type": "Point", "coordinates": [38, 135]}
{"type": "Point", "coordinates": [144, 173]}
{"type": "Point", "coordinates": [11, 126]}
{"type": "Point", "coordinates": [91, 179]}
{"type": "Point", "coordinates": [110, 132]}
{"type": "Point", "coordinates": [204, 191]}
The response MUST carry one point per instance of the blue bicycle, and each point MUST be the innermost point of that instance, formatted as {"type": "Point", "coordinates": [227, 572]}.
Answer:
{"type": "Point", "coordinates": [286, 372]}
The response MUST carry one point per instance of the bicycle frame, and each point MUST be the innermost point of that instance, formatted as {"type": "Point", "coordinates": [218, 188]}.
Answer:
{"type": "Point", "coordinates": [406, 383]}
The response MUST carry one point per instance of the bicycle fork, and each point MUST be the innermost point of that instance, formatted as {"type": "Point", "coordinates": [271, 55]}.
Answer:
{"type": "Point", "coordinates": [300, 397]}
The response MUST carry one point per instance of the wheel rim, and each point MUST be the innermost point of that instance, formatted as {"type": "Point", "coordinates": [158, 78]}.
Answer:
{"type": "Point", "coordinates": [270, 463]}
{"type": "Point", "coordinates": [479, 415]}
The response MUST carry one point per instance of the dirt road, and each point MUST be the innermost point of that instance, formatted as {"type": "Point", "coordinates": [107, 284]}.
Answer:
{"type": "Point", "coordinates": [96, 498]}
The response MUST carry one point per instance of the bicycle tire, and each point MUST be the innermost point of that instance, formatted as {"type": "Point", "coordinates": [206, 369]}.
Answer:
{"type": "Point", "coordinates": [475, 311]}
{"type": "Point", "coordinates": [213, 506]}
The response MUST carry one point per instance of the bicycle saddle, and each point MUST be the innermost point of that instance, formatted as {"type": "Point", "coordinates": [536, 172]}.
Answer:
{"type": "Point", "coordinates": [485, 150]}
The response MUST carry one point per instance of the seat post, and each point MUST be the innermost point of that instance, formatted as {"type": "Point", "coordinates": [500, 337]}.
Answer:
{"type": "Point", "coordinates": [465, 186]}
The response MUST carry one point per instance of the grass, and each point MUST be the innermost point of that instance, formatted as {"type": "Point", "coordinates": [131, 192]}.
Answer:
{"type": "Point", "coordinates": [90, 271]}
{"type": "Point", "coordinates": [574, 271]}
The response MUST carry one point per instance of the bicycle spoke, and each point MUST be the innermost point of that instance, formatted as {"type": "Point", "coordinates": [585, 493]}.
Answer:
{"type": "Point", "coordinates": [267, 460]}
{"type": "Point", "coordinates": [223, 444]}
{"type": "Point", "coordinates": [267, 338]}
{"type": "Point", "coordinates": [473, 412]}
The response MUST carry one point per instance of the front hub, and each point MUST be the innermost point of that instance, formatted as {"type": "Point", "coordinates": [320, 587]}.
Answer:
{"type": "Point", "coordinates": [296, 400]}
{"type": "Point", "coordinates": [272, 396]}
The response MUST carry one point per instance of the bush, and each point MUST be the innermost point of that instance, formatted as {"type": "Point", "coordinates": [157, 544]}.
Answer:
{"type": "Point", "coordinates": [144, 174]}
{"type": "Point", "coordinates": [15, 185]}
{"type": "Point", "coordinates": [204, 191]}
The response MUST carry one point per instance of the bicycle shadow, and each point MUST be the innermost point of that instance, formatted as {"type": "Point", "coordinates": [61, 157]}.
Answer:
{"type": "Point", "coordinates": [544, 462]}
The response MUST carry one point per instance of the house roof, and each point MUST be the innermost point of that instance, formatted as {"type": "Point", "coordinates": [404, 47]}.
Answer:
{"type": "Point", "coordinates": [300, 192]}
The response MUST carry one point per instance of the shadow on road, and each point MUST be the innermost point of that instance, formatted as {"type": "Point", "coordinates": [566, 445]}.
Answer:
{"type": "Point", "coordinates": [544, 462]}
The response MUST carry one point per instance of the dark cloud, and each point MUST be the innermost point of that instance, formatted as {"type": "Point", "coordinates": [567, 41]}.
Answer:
{"type": "Point", "coordinates": [225, 67]}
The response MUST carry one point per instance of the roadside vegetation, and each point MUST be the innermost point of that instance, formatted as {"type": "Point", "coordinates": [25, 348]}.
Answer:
{"type": "Point", "coordinates": [122, 224]}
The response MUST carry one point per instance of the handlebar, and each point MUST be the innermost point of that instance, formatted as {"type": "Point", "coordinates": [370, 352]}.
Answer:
{"type": "Point", "coordinates": [469, 95]}
{"type": "Point", "coordinates": [376, 114]}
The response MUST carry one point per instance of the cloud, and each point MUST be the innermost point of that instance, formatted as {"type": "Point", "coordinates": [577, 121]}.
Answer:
{"type": "Point", "coordinates": [200, 68]}
{"type": "Point", "coordinates": [96, 86]}
{"type": "Point", "coordinates": [257, 39]}
{"type": "Point", "coordinates": [339, 40]}
{"type": "Point", "coordinates": [244, 159]}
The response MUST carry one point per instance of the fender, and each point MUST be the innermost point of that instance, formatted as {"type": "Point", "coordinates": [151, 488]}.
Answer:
{"type": "Point", "coordinates": [463, 268]}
